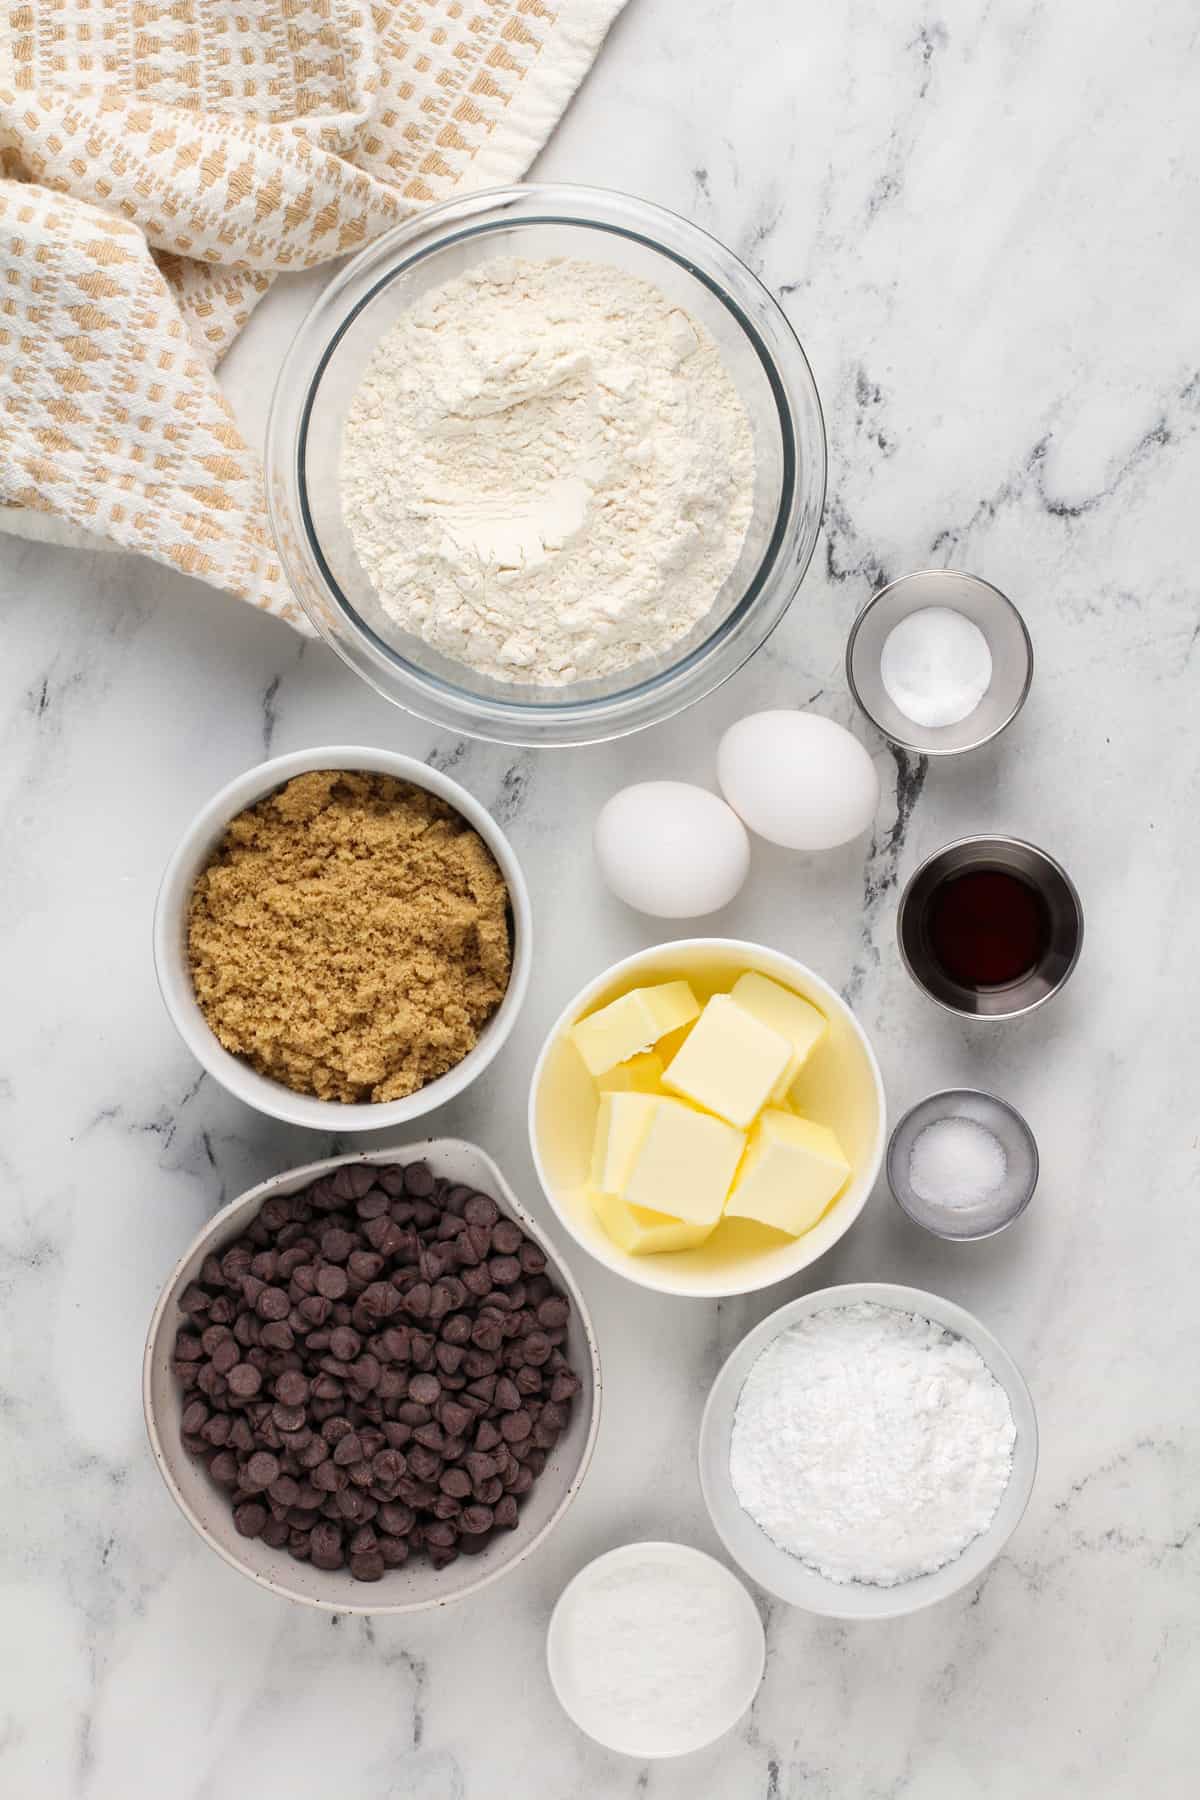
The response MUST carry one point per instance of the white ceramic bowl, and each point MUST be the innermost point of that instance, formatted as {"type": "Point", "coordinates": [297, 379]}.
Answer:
{"type": "Point", "coordinates": [840, 1086]}
{"type": "Point", "coordinates": [170, 943]}
{"type": "Point", "coordinates": [785, 1575]}
{"type": "Point", "coordinates": [417, 1586]}
{"type": "Point", "coordinates": [654, 1740]}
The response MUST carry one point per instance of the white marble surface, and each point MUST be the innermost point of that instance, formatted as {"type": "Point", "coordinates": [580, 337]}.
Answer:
{"type": "Point", "coordinates": [983, 220]}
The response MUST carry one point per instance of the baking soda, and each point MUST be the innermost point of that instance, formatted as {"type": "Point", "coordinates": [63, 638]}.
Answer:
{"type": "Point", "coordinates": [936, 666]}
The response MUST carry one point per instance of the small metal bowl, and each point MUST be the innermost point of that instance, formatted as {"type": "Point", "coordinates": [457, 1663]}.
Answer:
{"type": "Point", "coordinates": [1058, 893]}
{"type": "Point", "coordinates": [983, 1218]}
{"type": "Point", "coordinates": [986, 607]}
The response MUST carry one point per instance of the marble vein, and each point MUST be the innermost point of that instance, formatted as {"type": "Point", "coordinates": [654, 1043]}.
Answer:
{"type": "Point", "coordinates": [983, 223]}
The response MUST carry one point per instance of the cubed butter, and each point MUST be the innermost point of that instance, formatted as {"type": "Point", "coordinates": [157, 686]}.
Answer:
{"type": "Point", "coordinates": [634, 1023]}
{"type": "Point", "coordinates": [730, 1062]}
{"type": "Point", "coordinates": [640, 1075]}
{"type": "Point", "coordinates": [791, 1171]}
{"type": "Point", "coordinates": [621, 1124]}
{"type": "Point", "coordinates": [685, 1164]}
{"type": "Point", "coordinates": [644, 1233]}
{"type": "Point", "coordinates": [795, 1018]}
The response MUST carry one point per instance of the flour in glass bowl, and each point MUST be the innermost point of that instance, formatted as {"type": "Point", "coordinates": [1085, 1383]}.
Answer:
{"type": "Point", "coordinates": [871, 1443]}
{"type": "Point", "coordinates": [547, 471]}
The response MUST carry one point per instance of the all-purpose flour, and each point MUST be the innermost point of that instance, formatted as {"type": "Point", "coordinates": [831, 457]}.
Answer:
{"type": "Point", "coordinates": [547, 472]}
{"type": "Point", "coordinates": [872, 1444]}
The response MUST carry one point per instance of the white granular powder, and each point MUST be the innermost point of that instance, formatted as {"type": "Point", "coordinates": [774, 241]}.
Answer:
{"type": "Point", "coordinates": [547, 471]}
{"type": "Point", "coordinates": [936, 666]}
{"type": "Point", "coordinates": [956, 1162]}
{"type": "Point", "coordinates": [872, 1444]}
{"type": "Point", "coordinates": [656, 1652]}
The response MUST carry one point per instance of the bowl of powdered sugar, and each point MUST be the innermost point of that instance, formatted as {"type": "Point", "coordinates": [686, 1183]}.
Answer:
{"type": "Point", "coordinates": [545, 465]}
{"type": "Point", "coordinates": [868, 1450]}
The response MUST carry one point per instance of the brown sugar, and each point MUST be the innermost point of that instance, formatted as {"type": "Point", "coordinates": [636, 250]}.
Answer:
{"type": "Point", "coordinates": [350, 936]}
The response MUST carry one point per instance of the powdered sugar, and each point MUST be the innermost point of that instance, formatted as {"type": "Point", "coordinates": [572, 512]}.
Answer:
{"type": "Point", "coordinates": [547, 471]}
{"type": "Point", "coordinates": [872, 1444]}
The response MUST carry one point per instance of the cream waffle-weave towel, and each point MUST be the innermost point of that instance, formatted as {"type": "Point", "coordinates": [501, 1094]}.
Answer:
{"type": "Point", "coordinates": [160, 161]}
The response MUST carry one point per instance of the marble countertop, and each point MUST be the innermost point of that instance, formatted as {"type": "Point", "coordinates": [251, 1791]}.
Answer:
{"type": "Point", "coordinates": [983, 221]}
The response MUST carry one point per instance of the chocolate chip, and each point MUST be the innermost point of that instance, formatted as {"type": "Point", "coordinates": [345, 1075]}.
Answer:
{"type": "Point", "coordinates": [348, 1439]}
{"type": "Point", "coordinates": [327, 1546]}
{"type": "Point", "coordinates": [249, 1518]}
{"type": "Point", "coordinates": [332, 1283]}
{"type": "Point", "coordinates": [379, 1300]}
{"type": "Point", "coordinates": [515, 1427]}
{"type": "Point", "coordinates": [425, 1389]}
{"type": "Point", "coordinates": [244, 1380]}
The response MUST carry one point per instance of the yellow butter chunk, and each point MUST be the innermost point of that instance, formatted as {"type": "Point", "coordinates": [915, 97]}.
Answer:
{"type": "Point", "coordinates": [730, 1062]}
{"type": "Point", "coordinates": [684, 1165]}
{"type": "Point", "coordinates": [797, 1019]}
{"type": "Point", "coordinates": [792, 1170]}
{"type": "Point", "coordinates": [621, 1124]}
{"type": "Point", "coordinates": [640, 1075]}
{"type": "Point", "coordinates": [645, 1233]}
{"type": "Point", "coordinates": [632, 1024]}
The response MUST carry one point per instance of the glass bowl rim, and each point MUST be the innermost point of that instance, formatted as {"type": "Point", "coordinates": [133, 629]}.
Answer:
{"type": "Point", "coordinates": [789, 378]}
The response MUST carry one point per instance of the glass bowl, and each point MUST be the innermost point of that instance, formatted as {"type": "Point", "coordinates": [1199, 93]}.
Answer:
{"type": "Point", "coordinates": [325, 364]}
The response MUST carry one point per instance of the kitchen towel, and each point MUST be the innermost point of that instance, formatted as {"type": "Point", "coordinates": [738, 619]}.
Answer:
{"type": "Point", "coordinates": [160, 162]}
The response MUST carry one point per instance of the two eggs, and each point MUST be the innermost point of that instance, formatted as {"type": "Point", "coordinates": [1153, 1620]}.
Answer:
{"type": "Point", "coordinates": [794, 778]}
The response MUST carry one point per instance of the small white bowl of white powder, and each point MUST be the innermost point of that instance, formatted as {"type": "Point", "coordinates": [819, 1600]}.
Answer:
{"type": "Point", "coordinates": [867, 1450]}
{"type": "Point", "coordinates": [655, 1650]}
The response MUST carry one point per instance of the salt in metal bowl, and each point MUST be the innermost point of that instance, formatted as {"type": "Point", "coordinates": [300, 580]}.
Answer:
{"type": "Point", "coordinates": [968, 1222]}
{"type": "Point", "coordinates": [985, 606]}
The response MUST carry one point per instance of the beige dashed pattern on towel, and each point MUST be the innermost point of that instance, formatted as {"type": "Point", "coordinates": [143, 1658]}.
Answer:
{"type": "Point", "coordinates": [161, 160]}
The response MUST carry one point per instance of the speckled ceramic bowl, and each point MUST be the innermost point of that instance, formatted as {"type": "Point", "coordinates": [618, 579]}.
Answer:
{"type": "Point", "coordinates": [417, 1586]}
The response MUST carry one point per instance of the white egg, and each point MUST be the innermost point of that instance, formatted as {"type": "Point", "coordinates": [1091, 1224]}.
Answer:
{"type": "Point", "coordinates": [798, 779]}
{"type": "Point", "coordinates": [670, 849]}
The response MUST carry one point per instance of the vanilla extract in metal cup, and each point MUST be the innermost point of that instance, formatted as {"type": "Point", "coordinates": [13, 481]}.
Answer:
{"type": "Point", "coordinates": [990, 927]}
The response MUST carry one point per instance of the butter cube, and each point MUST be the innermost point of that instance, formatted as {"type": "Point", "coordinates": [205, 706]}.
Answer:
{"type": "Point", "coordinates": [640, 1075]}
{"type": "Point", "coordinates": [645, 1233]}
{"type": "Point", "coordinates": [621, 1124]}
{"type": "Point", "coordinates": [797, 1019]}
{"type": "Point", "coordinates": [627, 1026]}
{"type": "Point", "coordinates": [790, 1173]}
{"type": "Point", "coordinates": [684, 1165]}
{"type": "Point", "coordinates": [730, 1062]}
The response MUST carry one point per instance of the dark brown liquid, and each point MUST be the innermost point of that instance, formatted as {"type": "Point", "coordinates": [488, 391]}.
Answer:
{"type": "Point", "coordinates": [987, 928]}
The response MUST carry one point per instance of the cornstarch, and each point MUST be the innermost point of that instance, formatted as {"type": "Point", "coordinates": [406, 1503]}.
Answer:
{"type": "Point", "coordinates": [547, 472]}
{"type": "Point", "coordinates": [653, 1648]}
{"type": "Point", "coordinates": [872, 1444]}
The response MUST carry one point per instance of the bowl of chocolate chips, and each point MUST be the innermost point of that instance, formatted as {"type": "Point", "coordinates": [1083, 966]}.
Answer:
{"type": "Point", "coordinates": [370, 1384]}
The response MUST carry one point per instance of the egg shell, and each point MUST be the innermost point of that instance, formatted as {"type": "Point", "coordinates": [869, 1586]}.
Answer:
{"type": "Point", "coordinates": [798, 779]}
{"type": "Point", "coordinates": [671, 850]}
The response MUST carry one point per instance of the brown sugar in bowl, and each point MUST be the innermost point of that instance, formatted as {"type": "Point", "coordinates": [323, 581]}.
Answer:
{"type": "Point", "coordinates": [235, 1072]}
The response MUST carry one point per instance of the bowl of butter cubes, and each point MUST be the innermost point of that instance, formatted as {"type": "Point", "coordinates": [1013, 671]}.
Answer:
{"type": "Point", "coordinates": [707, 1117]}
